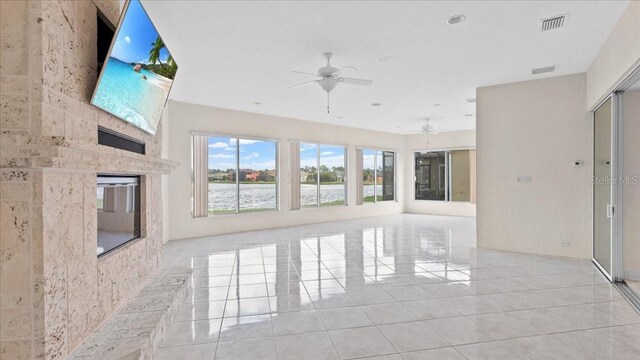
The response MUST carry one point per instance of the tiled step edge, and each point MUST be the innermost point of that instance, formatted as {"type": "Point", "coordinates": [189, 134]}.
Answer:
{"type": "Point", "coordinates": [137, 328]}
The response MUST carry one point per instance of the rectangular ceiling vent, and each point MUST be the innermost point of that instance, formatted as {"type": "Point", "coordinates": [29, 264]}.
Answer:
{"type": "Point", "coordinates": [555, 22]}
{"type": "Point", "coordinates": [543, 70]}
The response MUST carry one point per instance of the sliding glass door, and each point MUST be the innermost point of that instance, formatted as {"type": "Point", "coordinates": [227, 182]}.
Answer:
{"type": "Point", "coordinates": [444, 175]}
{"type": "Point", "coordinates": [388, 175]}
{"type": "Point", "coordinates": [604, 187]}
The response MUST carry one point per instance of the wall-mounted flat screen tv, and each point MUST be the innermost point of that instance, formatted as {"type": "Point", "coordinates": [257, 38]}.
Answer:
{"type": "Point", "coordinates": [137, 75]}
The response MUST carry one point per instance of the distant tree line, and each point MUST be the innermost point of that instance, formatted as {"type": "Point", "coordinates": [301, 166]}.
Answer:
{"type": "Point", "coordinates": [336, 173]}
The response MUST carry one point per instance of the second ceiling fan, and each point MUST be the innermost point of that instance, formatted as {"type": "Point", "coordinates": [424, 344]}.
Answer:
{"type": "Point", "coordinates": [328, 77]}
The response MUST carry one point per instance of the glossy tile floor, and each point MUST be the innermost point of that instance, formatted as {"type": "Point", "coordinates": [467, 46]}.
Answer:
{"type": "Point", "coordinates": [390, 288]}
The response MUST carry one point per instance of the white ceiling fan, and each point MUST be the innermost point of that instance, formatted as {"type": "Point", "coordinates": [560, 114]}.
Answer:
{"type": "Point", "coordinates": [328, 77]}
{"type": "Point", "coordinates": [427, 129]}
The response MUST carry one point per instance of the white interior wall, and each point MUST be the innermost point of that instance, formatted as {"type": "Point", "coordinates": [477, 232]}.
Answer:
{"type": "Point", "coordinates": [537, 128]}
{"type": "Point", "coordinates": [442, 141]}
{"type": "Point", "coordinates": [619, 55]}
{"type": "Point", "coordinates": [185, 118]}
{"type": "Point", "coordinates": [534, 128]}
{"type": "Point", "coordinates": [164, 123]}
{"type": "Point", "coordinates": [631, 166]}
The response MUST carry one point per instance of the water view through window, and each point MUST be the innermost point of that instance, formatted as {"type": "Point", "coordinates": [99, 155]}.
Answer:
{"type": "Point", "coordinates": [242, 175]}
{"type": "Point", "coordinates": [322, 175]}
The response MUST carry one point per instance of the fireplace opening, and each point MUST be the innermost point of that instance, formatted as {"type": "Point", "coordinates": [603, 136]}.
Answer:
{"type": "Point", "coordinates": [118, 202]}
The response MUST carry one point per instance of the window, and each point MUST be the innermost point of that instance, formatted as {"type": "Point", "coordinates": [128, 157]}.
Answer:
{"type": "Point", "coordinates": [378, 175]}
{"type": "Point", "coordinates": [322, 175]}
{"type": "Point", "coordinates": [258, 190]}
{"type": "Point", "coordinates": [241, 175]}
{"type": "Point", "coordinates": [430, 180]}
{"type": "Point", "coordinates": [445, 175]}
{"type": "Point", "coordinates": [222, 185]}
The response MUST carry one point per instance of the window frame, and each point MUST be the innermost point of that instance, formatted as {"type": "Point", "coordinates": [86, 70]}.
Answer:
{"type": "Point", "coordinates": [375, 176]}
{"type": "Point", "coordinates": [447, 172]}
{"type": "Point", "coordinates": [318, 183]}
{"type": "Point", "coordinates": [237, 168]}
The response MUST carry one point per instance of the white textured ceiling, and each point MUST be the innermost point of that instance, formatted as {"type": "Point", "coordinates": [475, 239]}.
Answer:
{"type": "Point", "coordinates": [233, 54]}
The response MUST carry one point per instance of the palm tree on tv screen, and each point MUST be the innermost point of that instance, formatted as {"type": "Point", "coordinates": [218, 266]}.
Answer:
{"type": "Point", "coordinates": [154, 53]}
{"type": "Point", "coordinates": [154, 57]}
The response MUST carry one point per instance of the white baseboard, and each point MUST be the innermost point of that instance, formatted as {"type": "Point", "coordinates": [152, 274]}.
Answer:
{"type": "Point", "coordinates": [632, 274]}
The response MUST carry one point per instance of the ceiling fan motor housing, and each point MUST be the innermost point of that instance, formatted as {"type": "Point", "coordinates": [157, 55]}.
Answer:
{"type": "Point", "coordinates": [328, 83]}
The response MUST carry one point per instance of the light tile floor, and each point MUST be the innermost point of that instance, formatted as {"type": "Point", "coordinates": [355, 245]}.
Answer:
{"type": "Point", "coordinates": [409, 287]}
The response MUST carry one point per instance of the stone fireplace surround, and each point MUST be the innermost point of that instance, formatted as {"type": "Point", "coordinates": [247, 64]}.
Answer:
{"type": "Point", "coordinates": [54, 291]}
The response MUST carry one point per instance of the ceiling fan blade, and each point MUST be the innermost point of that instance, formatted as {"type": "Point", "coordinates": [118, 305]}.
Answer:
{"type": "Point", "coordinates": [303, 84]}
{"type": "Point", "coordinates": [305, 73]}
{"type": "Point", "coordinates": [337, 72]}
{"type": "Point", "coordinates": [356, 81]}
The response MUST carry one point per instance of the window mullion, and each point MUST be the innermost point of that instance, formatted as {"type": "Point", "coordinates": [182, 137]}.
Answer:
{"type": "Point", "coordinates": [447, 172]}
{"type": "Point", "coordinates": [237, 175]}
{"type": "Point", "coordinates": [375, 176]}
{"type": "Point", "coordinates": [318, 176]}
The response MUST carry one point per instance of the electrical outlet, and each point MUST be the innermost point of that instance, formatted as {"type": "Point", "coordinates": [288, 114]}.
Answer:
{"type": "Point", "coordinates": [565, 243]}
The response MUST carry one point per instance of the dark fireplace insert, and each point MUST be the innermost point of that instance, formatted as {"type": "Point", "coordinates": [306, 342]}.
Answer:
{"type": "Point", "coordinates": [118, 202]}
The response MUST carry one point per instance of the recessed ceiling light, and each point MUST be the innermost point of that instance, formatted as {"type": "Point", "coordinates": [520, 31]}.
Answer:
{"type": "Point", "coordinates": [468, 114]}
{"type": "Point", "coordinates": [471, 100]}
{"type": "Point", "coordinates": [376, 104]}
{"type": "Point", "coordinates": [385, 59]}
{"type": "Point", "coordinates": [456, 19]}
{"type": "Point", "coordinates": [338, 117]}
{"type": "Point", "coordinates": [437, 104]}
{"type": "Point", "coordinates": [256, 102]}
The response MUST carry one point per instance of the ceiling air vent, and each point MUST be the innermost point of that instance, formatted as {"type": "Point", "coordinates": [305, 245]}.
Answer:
{"type": "Point", "coordinates": [555, 22]}
{"type": "Point", "coordinates": [543, 70]}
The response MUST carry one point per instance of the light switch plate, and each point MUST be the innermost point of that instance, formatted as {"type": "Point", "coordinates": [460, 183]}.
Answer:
{"type": "Point", "coordinates": [524, 178]}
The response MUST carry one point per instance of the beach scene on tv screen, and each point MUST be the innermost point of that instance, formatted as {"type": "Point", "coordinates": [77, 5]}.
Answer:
{"type": "Point", "coordinates": [138, 72]}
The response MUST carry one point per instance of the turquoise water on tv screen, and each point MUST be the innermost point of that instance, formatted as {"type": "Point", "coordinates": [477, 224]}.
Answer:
{"type": "Point", "coordinates": [137, 97]}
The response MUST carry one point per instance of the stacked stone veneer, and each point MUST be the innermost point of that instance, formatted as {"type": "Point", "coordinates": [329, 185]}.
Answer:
{"type": "Point", "coordinates": [53, 290]}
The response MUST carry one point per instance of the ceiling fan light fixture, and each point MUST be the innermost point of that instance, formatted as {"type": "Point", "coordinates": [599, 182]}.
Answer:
{"type": "Point", "coordinates": [456, 19]}
{"type": "Point", "coordinates": [328, 77]}
{"type": "Point", "coordinates": [428, 128]}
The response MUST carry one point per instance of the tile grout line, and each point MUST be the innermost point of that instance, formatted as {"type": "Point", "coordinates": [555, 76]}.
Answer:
{"type": "Point", "coordinates": [273, 331]}
{"type": "Point", "coordinates": [215, 353]}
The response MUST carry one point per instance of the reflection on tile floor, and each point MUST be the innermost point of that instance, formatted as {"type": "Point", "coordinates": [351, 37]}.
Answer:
{"type": "Point", "coordinates": [398, 287]}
